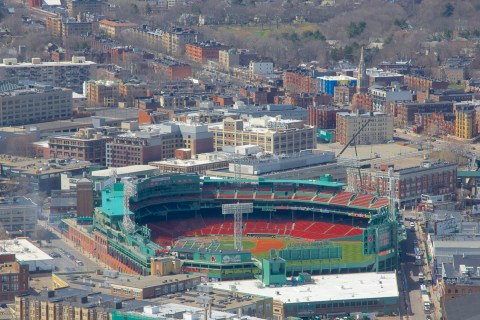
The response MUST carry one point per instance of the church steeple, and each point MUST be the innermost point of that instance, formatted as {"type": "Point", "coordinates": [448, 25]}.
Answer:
{"type": "Point", "coordinates": [362, 80]}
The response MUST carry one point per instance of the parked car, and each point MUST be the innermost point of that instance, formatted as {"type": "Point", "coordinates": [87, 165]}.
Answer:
{"type": "Point", "coordinates": [80, 263]}
{"type": "Point", "coordinates": [55, 255]}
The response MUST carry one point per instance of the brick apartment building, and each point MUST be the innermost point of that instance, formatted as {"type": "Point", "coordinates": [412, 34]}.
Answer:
{"type": "Point", "coordinates": [306, 100]}
{"type": "Point", "coordinates": [324, 117]}
{"type": "Point", "coordinates": [261, 95]}
{"type": "Point", "coordinates": [378, 130]}
{"type": "Point", "coordinates": [157, 142]}
{"type": "Point", "coordinates": [201, 52]}
{"type": "Point", "coordinates": [271, 134]}
{"type": "Point", "coordinates": [132, 89]}
{"type": "Point", "coordinates": [444, 95]}
{"type": "Point", "coordinates": [102, 93]}
{"type": "Point", "coordinates": [300, 80]}
{"type": "Point", "coordinates": [171, 69]}
{"type": "Point", "coordinates": [419, 83]}
{"type": "Point", "coordinates": [435, 124]}
{"type": "Point", "coordinates": [85, 145]}
{"type": "Point", "coordinates": [404, 113]}
{"type": "Point", "coordinates": [432, 178]}
{"type": "Point", "coordinates": [14, 277]}
{"type": "Point", "coordinates": [113, 28]}
{"type": "Point", "coordinates": [175, 39]}
{"type": "Point", "coordinates": [115, 51]}
{"type": "Point", "coordinates": [228, 59]}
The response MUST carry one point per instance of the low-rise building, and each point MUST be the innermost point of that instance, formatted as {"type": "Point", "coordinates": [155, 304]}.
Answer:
{"type": "Point", "coordinates": [461, 276]}
{"type": "Point", "coordinates": [172, 69]}
{"type": "Point", "coordinates": [27, 254]}
{"type": "Point", "coordinates": [378, 127]}
{"type": "Point", "coordinates": [383, 95]}
{"type": "Point", "coordinates": [273, 135]}
{"type": "Point", "coordinates": [326, 294]}
{"type": "Point", "coordinates": [260, 68]}
{"type": "Point", "coordinates": [86, 145]}
{"type": "Point", "coordinates": [231, 58]}
{"type": "Point", "coordinates": [152, 286]}
{"type": "Point", "coordinates": [202, 163]}
{"type": "Point", "coordinates": [14, 277]}
{"type": "Point", "coordinates": [432, 178]}
{"type": "Point", "coordinates": [113, 28]}
{"type": "Point", "coordinates": [324, 117]}
{"type": "Point", "coordinates": [327, 84]}
{"type": "Point", "coordinates": [76, 7]}
{"type": "Point", "coordinates": [200, 52]}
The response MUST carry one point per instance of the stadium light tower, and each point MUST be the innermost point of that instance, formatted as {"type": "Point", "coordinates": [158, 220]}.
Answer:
{"type": "Point", "coordinates": [128, 192]}
{"type": "Point", "coordinates": [237, 209]}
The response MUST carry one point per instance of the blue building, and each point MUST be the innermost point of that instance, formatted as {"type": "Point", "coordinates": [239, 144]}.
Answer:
{"type": "Point", "coordinates": [327, 84]}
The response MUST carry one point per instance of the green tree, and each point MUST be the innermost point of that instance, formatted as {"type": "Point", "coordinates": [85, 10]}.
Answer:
{"type": "Point", "coordinates": [447, 10]}
{"type": "Point", "coordinates": [134, 8]}
{"type": "Point", "coordinates": [355, 29]}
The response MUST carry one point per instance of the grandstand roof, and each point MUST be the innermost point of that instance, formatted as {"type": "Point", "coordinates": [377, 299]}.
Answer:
{"type": "Point", "coordinates": [353, 286]}
{"type": "Point", "coordinates": [323, 183]}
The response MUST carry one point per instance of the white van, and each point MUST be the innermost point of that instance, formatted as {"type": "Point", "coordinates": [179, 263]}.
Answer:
{"type": "Point", "coordinates": [423, 289]}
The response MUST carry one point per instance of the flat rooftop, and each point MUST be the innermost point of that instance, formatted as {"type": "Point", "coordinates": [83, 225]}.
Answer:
{"type": "Point", "coordinates": [24, 250]}
{"type": "Point", "coordinates": [148, 281]}
{"type": "Point", "coordinates": [135, 169]}
{"type": "Point", "coordinates": [353, 286]}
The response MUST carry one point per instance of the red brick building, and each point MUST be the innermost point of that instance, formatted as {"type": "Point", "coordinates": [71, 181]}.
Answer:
{"type": "Point", "coordinates": [324, 117]}
{"type": "Point", "coordinates": [404, 113]}
{"type": "Point", "coordinates": [171, 69]}
{"type": "Point", "coordinates": [362, 101]}
{"type": "Point", "coordinates": [14, 277]}
{"type": "Point", "coordinates": [432, 178]}
{"type": "Point", "coordinates": [435, 124]}
{"type": "Point", "coordinates": [418, 83]}
{"type": "Point", "coordinates": [305, 100]}
{"type": "Point", "coordinates": [85, 145]}
{"type": "Point", "coordinates": [200, 52]}
{"type": "Point", "coordinates": [300, 80]}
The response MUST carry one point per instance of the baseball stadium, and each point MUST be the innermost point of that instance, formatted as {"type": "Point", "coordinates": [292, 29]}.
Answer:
{"type": "Point", "coordinates": [314, 225]}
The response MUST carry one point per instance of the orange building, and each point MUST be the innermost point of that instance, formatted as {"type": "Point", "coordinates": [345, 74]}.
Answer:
{"type": "Point", "coordinates": [299, 80]}
{"type": "Point", "coordinates": [202, 51]}
{"type": "Point", "coordinates": [362, 101]}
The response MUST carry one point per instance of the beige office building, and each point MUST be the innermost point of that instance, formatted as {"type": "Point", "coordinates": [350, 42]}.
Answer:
{"type": "Point", "coordinates": [378, 127]}
{"type": "Point", "coordinates": [273, 135]}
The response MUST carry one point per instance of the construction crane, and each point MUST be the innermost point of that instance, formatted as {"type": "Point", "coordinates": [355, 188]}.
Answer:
{"type": "Point", "coordinates": [352, 140]}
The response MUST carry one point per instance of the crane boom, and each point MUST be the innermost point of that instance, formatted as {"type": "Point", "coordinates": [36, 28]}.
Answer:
{"type": "Point", "coordinates": [353, 138]}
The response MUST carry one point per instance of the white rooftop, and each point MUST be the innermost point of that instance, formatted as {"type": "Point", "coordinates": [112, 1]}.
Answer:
{"type": "Point", "coordinates": [325, 288]}
{"type": "Point", "coordinates": [338, 78]}
{"type": "Point", "coordinates": [165, 311]}
{"type": "Point", "coordinates": [24, 250]}
{"type": "Point", "coordinates": [123, 170]}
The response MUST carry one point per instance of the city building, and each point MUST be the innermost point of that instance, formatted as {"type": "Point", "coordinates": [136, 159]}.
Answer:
{"type": "Point", "coordinates": [84, 197]}
{"type": "Point", "coordinates": [384, 95]}
{"type": "Point", "coordinates": [175, 39]}
{"type": "Point", "coordinates": [18, 216]}
{"type": "Point", "coordinates": [171, 69]}
{"type": "Point", "coordinates": [132, 89]}
{"type": "Point", "coordinates": [300, 80]}
{"type": "Point", "coordinates": [435, 124]}
{"type": "Point", "coordinates": [113, 28]}
{"type": "Point", "coordinates": [201, 52]}
{"type": "Point", "coordinates": [200, 165]}
{"type": "Point", "coordinates": [324, 117]}
{"type": "Point", "coordinates": [327, 84]}
{"type": "Point", "coordinates": [274, 135]}
{"type": "Point", "coordinates": [34, 103]}
{"type": "Point", "coordinates": [326, 295]}
{"type": "Point", "coordinates": [14, 277]}
{"type": "Point", "coordinates": [286, 111]}
{"type": "Point", "coordinates": [67, 74]}
{"type": "Point", "coordinates": [231, 58]}
{"type": "Point", "coordinates": [102, 93]}
{"type": "Point", "coordinates": [420, 83]}
{"type": "Point", "coordinates": [41, 174]}
{"type": "Point", "coordinates": [404, 112]}
{"type": "Point", "coordinates": [343, 94]}
{"type": "Point", "coordinates": [72, 303]}
{"type": "Point", "coordinates": [62, 203]}
{"type": "Point", "coordinates": [432, 178]}
{"type": "Point", "coordinates": [461, 276]}
{"type": "Point", "coordinates": [76, 7]}
{"type": "Point", "coordinates": [157, 142]}
{"type": "Point", "coordinates": [149, 287]}
{"type": "Point", "coordinates": [383, 78]}
{"type": "Point", "coordinates": [86, 145]}
{"type": "Point", "coordinates": [260, 68]}
{"type": "Point", "coordinates": [440, 95]}
{"type": "Point", "coordinates": [465, 127]}
{"type": "Point", "coordinates": [28, 255]}
{"type": "Point", "coordinates": [378, 127]}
